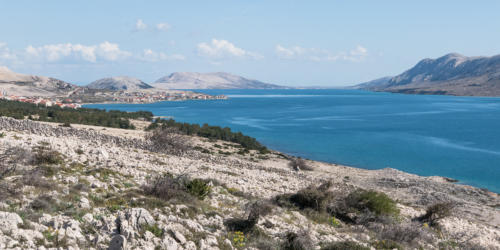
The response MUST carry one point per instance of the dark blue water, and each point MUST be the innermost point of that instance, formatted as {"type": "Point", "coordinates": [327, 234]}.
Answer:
{"type": "Point", "coordinates": [457, 137]}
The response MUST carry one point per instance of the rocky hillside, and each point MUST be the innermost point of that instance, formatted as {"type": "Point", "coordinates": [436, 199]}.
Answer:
{"type": "Point", "coordinates": [452, 74]}
{"type": "Point", "coordinates": [30, 85]}
{"type": "Point", "coordinates": [119, 83]}
{"type": "Point", "coordinates": [86, 187]}
{"type": "Point", "coordinates": [218, 80]}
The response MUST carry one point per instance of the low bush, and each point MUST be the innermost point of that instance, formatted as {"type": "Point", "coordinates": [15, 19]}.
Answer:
{"type": "Point", "coordinates": [436, 212]}
{"type": "Point", "coordinates": [376, 202]}
{"type": "Point", "coordinates": [298, 164]}
{"type": "Point", "coordinates": [35, 177]}
{"type": "Point", "coordinates": [180, 188]}
{"type": "Point", "coordinates": [257, 210]}
{"type": "Point", "coordinates": [312, 197]}
{"type": "Point", "coordinates": [387, 244]}
{"type": "Point", "coordinates": [344, 245]}
{"type": "Point", "coordinates": [43, 155]}
{"type": "Point", "coordinates": [199, 188]}
{"type": "Point", "coordinates": [168, 140]}
{"type": "Point", "coordinates": [297, 241]}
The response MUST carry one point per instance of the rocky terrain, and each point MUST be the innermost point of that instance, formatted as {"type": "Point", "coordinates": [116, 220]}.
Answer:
{"type": "Point", "coordinates": [86, 187]}
{"type": "Point", "coordinates": [217, 80]}
{"type": "Point", "coordinates": [452, 74]}
{"type": "Point", "coordinates": [119, 83]}
{"type": "Point", "coordinates": [30, 85]}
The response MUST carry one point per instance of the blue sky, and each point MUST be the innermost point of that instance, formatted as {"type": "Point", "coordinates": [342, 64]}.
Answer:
{"type": "Point", "coordinates": [296, 43]}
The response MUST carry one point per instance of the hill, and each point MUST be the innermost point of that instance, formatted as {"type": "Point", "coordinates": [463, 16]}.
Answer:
{"type": "Point", "coordinates": [86, 187]}
{"type": "Point", "coordinates": [452, 74]}
{"type": "Point", "coordinates": [217, 80]}
{"type": "Point", "coordinates": [119, 83]}
{"type": "Point", "coordinates": [29, 85]}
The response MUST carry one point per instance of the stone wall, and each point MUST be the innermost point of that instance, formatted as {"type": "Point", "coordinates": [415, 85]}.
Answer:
{"type": "Point", "coordinates": [11, 124]}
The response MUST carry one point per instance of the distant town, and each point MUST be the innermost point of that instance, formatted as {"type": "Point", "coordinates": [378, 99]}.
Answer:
{"type": "Point", "coordinates": [78, 98]}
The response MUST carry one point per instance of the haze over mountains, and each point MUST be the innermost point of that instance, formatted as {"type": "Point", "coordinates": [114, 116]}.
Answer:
{"type": "Point", "coordinates": [217, 80]}
{"type": "Point", "coordinates": [452, 74]}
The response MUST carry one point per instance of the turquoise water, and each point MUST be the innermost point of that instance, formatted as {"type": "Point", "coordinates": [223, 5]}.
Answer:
{"type": "Point", "coordinates": [457, 137]}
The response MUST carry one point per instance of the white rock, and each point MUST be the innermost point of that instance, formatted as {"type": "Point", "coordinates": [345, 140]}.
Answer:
{"type": "Point", "coordinates": [9, 221]}
{"type": "Point", "coordinates": [179, 237]}
{"type": "Point", "coordinates": [84, 203]}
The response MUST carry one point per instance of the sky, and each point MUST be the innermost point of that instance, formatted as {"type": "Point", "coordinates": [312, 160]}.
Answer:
{"type": "Point", "coordinates": [294, 43]}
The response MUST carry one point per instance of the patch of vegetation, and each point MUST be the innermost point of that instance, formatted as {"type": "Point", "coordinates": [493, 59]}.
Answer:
{"type": "Point", "coordinates": [257, 210]}
{"type": "Point", "coordinates": [2, 135]}
{"type": "Point", "coordinates": [376, 202]}
{"type": "Point", "coordinates": [297, 241]}
{"type": "Point", "coordinates": [168, 140]}
{"type": "Point", "coordinates": [199, 188]}
{"type": "Point", "coordinates": [386, 245]}
{"type": "Point", "coordinates": [344, 245]}
{"type": "Point", "coordinates": [44, 155]}
{"type": "Point", "coordinates": [97, 117]}
{"type": "Point", "coordinates": [436, 212]}
{"type": "Point", "coordinates": [157, 231]}
{"type": "Point", "coordinates": [299, 164]}
{"type": "Point", "coordinates": [180, 188]}
{"type": "Point", "coordinates": [312, 197]}
{"type": "Point", "coordinates": [211, 132]}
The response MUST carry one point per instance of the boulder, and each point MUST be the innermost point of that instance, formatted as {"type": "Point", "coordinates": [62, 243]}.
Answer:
{"type": "Point", "coordinates": [131, 220]}
{"type": "Point", "coordinates": [118, 242]}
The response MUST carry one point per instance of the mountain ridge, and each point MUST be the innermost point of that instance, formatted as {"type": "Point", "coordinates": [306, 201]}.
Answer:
{"type": "Point", "coordinates": [119, 83]}
{"type": "Point", "coordinates": [214, 80]}
{"type": "Point", "coordinates": [21, 84]}
{"type": "Point", "coordinates": [451, 74]}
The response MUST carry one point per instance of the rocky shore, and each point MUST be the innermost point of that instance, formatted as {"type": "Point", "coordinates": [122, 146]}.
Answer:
{"type": "Point", "coordinates": [93, 189]}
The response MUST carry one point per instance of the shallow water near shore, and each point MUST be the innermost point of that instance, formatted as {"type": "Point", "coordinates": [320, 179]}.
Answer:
{"type": "Point", "coordinates": [456, 137]}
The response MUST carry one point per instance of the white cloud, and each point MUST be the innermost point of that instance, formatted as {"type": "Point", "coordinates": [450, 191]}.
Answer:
{"type": "Point", "coordinates": [76, 52]}
{"type": "Point", "coordinates": [152, 56]}
{"type": "Point", "coordinates": [314, 54]}
{"type": "Point", "coordinates": [140, 25]}
{"type": "Point", "coordinates": [163, 26]}
{"type": "Point", "coordinates": [5, 53]}
{"type": "Point", "coordinates": [220, 49]}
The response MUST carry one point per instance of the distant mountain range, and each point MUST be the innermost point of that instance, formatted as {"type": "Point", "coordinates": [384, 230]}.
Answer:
{"type": "Point", "coordinates": [30, 85]}
{"type": "Point", "coordinates": [119, 83]}
{"type": "Point", "coordinates": [218, 80]}
{"type": "Point", "coordinates": [452, 74]}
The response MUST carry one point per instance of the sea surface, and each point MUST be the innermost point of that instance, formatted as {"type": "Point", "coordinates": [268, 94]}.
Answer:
{"type": "Point", "coordinates": [456, 137]}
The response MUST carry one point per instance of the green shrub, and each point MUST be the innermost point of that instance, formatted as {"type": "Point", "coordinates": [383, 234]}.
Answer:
{"type": "Point", "coordinates": [376, 202]}
{"type": "Point", "coordinates": [2, 135]}
{"type": "Point", "coordinates": [344, 245]}
{"type": "Point", "coordinates": [157, 231]}
{"type": "Point", "coordinates": [199, 188]}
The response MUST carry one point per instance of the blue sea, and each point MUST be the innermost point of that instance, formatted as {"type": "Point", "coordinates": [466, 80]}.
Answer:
{"type": "Point", "coordinates": [456, 137]}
